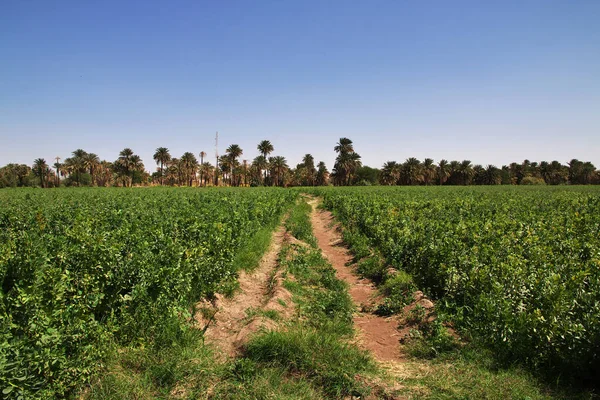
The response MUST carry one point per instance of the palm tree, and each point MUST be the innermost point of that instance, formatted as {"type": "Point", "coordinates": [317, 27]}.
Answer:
{"type": "Point", "coordinates": [516, 173]}
{"type": "Point", "coordinates": [310, 172]}
{"type": "Point", "coordinates": [322, 174]}
{"type": "Point", "coordinates": [454, 177]}
{"type": "Point", "coordinates": [105, 174]}
{"type": "Point", "coordinates": [412, 173]}
{"type": "Point", "coordinates": [344, 146]}
{"type": "Point", "coordinates": [346, 163]}
{"type": "Point", "coordinates": [76, 164]}
{"type": "Point", "coordinates": [429, 171]}
{"type": "Point", "coordinates": [162, 156]}
{"type": "Point", "coordinates": [265, 148]}
{"type": "Point", "coordinates": [278, 169]}
{"type": "Point", "coordinates": [126, 165]}
{"type": "Point", "coordinates": [40, 169]}
{"type": "Point", "coordinates": [559, 173]}
{"type": "Point", "coordinates": [262, 164]}
{"type": "Point", "coordinates": [466, 172]}
{"type": "Point", "coordinates": [390, 173]}
{"type": "Point", "coordinates": [91, 162]}
{"type": "Point", "coordinates": [66, 168]}
{"type": "Point", "coordinates": [233, 152]}
{"type": "Point", "coordinates": [492, 175]}
{"type": "Point", "coordinates": [587, 172]}
{"type": "Point", "coordinates": [136, 165]}
{"type": "Point", "coordinates": [526, 167]}
{"type": "Point", "coordinates": [479, 177]}
{"type": "Point", "coordinates": [443, 171]}
{"type": "Point", "coordinates": [225, 167]}
{"type": "Point", "coordinates": [351, 163]}
{"type": "Point", "coordinates": [173, 174]}
{"type": "Point", "coordinates": [208, 171]}
{"type": "Point", "coordinates": [190, 166]}
{"type": "Point", "coordinates": [245, 171]}
{"type": "Point", "coordinates": [125, 161]}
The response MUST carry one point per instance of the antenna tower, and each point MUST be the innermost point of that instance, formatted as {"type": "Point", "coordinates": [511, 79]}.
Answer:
{"type": "Point", "coordinates": [217, 159]}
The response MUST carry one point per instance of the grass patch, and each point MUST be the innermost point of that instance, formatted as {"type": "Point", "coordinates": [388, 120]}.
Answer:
{"type": "Point", "coordinates": [247, 380]}
{"type": "Point", "coordinates": [472, 373]}
{"type": "Point", "coordinates": [250, 255]}
{"type": "Point", "coordinates": [149, 373]}
{"type": "Point", "coordinates": [322, 299]}
{"type": "Point", "coordinates": [398, 290]}
{"type": "Point", "coordinates": [372, 268]}
{"type": "Point", "coordinates": [298, 223]}
{"type": "Point", "coordinates": [270, 314]}
{"type": "Point", "coordinates": [430, 339]}
{"type": "Point", "coordinates": [320, 356]}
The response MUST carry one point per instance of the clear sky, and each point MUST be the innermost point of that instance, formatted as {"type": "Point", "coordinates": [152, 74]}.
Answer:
{"type": "Point", "coordinates": [489, 81]}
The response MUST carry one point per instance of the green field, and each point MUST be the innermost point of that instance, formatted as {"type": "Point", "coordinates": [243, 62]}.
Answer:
{"type": "Point", "coordinates": [516, 267]}
{"type": "Point", "coordinates": [82, 269]}
{"type": "Point", "coordinates": [88, 271]}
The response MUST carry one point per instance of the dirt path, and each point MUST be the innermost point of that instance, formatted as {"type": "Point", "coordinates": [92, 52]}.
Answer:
{"type": "Point", "coordinates": [376, 334]}
{"type": "Point", "coordinates": [259, 290]}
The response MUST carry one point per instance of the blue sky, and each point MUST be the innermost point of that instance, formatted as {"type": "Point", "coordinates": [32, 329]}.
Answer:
{"type": "Point", "coordinates": [492, 82]}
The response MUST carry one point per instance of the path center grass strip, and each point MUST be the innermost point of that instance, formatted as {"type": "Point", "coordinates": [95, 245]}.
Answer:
{"type": "Point", "coordinates": [313, 350]}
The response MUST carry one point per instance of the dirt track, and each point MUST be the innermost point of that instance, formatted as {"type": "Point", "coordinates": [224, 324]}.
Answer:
{"type": "Point", "coordinates": [231, 326]}
{"type": "Point", "coordinates": [376, 334]}
{"type": "Point", "coordinates": [259, 290]}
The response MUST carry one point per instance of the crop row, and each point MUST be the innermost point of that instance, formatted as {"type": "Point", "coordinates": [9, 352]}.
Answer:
{"type": "Point", "coordinates": [516, 267]}
{"type": "Point", "coordinates": [84, 269]}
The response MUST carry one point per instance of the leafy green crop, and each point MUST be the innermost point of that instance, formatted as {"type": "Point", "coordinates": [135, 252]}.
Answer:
{"type": "Point", "coordinates": [519, 267]}
{"type": "Point", "coordinates": [82, 269]}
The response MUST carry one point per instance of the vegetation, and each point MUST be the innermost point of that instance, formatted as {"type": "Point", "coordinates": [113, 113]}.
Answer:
{"type": "Point", "coordinates": [307, 357]}
{"type": "Point", "coordinates": [86, 169]}
{"type": "Point", "coordinates": [515, 268]}
{"type": "Point", "coordinates": [415, 172]}
{"type": "Point", "coordinates": [346, 163]}
{"type": "Point", "coordinates": [315, 347]}
{"type": "Point", "coordinates": [83, 270]}
{"type": "Point", "coordinates": [102, 295]}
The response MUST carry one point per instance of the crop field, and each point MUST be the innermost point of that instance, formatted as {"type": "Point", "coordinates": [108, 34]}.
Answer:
{"type": "Point", "coordinates": [84, 268]}
{"type": "Point", "coordinates": [518, 268]}
{"type": "Point", "coordinates": [85, 271]}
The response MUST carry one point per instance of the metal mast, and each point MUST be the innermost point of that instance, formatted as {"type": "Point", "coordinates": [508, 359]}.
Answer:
{"type": "Point", "coordinates": [217, 159]}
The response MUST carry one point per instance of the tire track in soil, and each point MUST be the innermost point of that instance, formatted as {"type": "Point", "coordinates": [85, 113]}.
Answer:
{"type": "Point", "coordinates": [376, 334]}
{"type": "Point", "coordinates": [230, 326]}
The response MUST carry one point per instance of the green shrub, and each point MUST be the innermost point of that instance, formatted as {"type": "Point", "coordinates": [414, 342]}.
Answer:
{"type": "Point", "coordinates": [398, 290]}
{"type": "Point", "coordinates": [515, 266]}
{"type": "Point", "coordinates": [372, 268]}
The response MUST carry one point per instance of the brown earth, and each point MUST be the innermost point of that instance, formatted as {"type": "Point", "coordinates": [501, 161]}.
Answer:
{"type": "Point", "coordinates": [226, 321]}
{"type": "Point", "coordinates": [376, 334]}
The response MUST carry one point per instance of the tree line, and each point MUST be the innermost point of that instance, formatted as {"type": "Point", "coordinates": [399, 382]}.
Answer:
{"type": "Point", "coordinates": [86, 169]}
{"type": "Point", "coordinates": [415, 172]}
